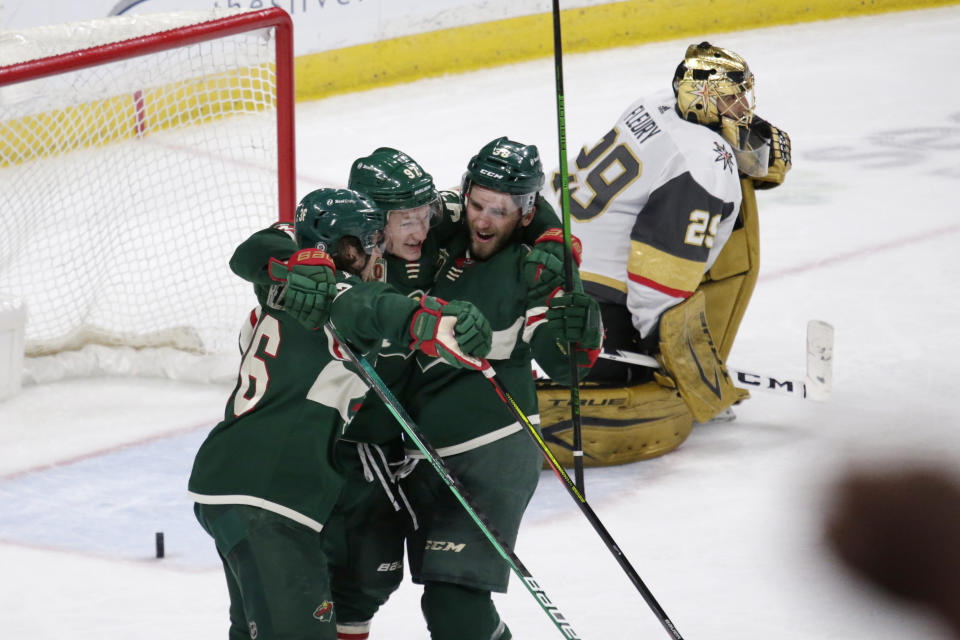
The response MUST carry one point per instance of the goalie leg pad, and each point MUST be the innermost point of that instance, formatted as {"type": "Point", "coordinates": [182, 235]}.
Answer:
{"type": "Point", "coordinates": [691, 358]}
{"type": "Point", "coordinates": [619, 424]}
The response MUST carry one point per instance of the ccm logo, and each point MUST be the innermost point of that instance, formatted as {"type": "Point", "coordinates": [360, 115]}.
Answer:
{"type": "Point", "coordinates": [442, 545]}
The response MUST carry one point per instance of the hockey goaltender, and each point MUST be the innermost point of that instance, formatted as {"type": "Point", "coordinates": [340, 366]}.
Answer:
{"type": "Point", "coordinates": [665, 209]}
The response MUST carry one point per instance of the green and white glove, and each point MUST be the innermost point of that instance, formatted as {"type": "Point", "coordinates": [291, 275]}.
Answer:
{"type": "Point", "coordinates": [455, 331]}
{"type": "Point", "coordinates": [311, 281]}
{"type": "Point", "coordinates": [543, 266]}
{"type": "Point", "coordinates": [576, 319]}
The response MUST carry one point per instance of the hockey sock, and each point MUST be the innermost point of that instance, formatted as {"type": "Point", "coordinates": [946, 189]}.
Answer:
{"type": "Point", "coordinates": [353, 630]}
{"type": "Point", "coordinates": [454, 612]}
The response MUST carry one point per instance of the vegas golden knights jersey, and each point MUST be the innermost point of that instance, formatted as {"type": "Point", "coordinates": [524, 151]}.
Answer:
{"type": "Point", "coordinates": [653, 203]}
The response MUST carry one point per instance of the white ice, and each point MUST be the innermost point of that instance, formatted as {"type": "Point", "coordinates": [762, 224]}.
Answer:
{"type": "Point", "coordinates": [726, 530]}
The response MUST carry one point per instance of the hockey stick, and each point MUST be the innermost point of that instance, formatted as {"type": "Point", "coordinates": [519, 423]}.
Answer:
{"type": "Point", "coordinates": [567, 242]}
{"type": "Point", "coordinates": [818, 384]}
{"type": "Point", "coordinates": [372, 379]}
{"type": "Point", "coordinates": [581, 501]}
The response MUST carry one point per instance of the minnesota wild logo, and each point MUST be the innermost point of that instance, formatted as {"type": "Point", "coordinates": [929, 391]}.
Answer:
{"type": "Point", "coordinates": [324, 612]}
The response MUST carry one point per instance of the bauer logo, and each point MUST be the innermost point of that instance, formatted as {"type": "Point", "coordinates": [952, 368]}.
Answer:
{"type": "Point", "coordinates": [558, 618]}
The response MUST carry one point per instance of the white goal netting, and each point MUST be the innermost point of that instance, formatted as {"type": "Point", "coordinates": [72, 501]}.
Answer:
{"type": "Point", "coordinates": [125, 185]}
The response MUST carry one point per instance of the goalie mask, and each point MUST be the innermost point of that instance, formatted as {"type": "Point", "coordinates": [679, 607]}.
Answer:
{"type": "Point", "coordinates": [715, 87]}
{"type": "Point", "coordinates": [508, 167]}
{"type": "Point", "coordinates": [395, 182]}
{"type": "Point", "coordinates": [326, 216]}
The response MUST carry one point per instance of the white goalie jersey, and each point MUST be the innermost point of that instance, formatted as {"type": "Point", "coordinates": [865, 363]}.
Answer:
{"type": "Point", "coordinates": [653, 203]}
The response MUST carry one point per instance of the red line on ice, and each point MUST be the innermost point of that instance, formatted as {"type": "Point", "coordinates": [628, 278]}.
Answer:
{"type": "Point", "coordinates": [107, 450]}
{"type": "Point", "coordinates": [859, 253]}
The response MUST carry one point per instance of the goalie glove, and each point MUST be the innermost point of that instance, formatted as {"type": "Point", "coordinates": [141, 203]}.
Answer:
{"type": "Point", "coordinates": [576, 317]}
{"type": "Point", "coordinates": [543, 266]}
{"type": "Point", "coordinates": [311, 280]}
{"type": "Point", "coordinates": [455, 331]}
{"type": "Point", "coordinates": [780, 161]}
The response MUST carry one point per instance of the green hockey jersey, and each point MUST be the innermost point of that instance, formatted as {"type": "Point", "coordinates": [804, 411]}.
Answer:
{"type": "Point", "coordinates": [458, 409]}
{"type": "Point", "coordinates": [294, 392]}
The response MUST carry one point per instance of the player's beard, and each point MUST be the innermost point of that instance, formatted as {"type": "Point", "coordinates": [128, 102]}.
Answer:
{"type": "Point", "coordinates": [489, 249]}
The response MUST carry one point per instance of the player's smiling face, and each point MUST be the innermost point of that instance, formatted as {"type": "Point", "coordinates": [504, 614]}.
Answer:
{"type": "Point", "coordinates": [406, 231]}
{"type": "Point", "coordinates": [492, 218]}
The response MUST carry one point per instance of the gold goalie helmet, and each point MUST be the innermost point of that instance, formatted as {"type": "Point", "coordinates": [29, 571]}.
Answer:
{"type": "Point", "coordinates": [714, 87]}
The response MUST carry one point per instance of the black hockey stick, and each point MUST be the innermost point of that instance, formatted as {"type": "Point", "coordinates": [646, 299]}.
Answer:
{"type": "Point", "coordinates": [567, 245]}
{"type": "Point", "coordinates": [581, 501]}
{"type": "Point", "coordinates": [376, 384]}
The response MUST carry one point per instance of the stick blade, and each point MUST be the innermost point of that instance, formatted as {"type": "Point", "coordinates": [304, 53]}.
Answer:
{"type": "Point", "coordinates": [819, 360]}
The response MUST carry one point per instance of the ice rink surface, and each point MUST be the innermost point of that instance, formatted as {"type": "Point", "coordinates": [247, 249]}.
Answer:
{"type": "Point", "coordinates": [726, 530]}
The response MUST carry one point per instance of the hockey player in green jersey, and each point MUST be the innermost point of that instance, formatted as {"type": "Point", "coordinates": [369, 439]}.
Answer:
{"type": "Point", "coordinates": [519, 292]}
{"type": "Point", "coordinates": [424, 226]}
{"type": "Point", "coordinates": [264, 480]}
{"type": "Point", "coordinates": [365, 535]}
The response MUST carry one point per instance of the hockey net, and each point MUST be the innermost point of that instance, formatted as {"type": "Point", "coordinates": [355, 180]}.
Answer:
{"type": "Point", "coordinates": [135, 154]}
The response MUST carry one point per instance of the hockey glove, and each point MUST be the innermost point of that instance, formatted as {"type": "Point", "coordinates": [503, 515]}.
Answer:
{"type": "Point", "coordinates": [577, 318]}
{"type": "Point", "coordinates": [455, 331]}
{"type": "Point", "coordinates": [780, 156]}
{"type": "Point", "coordinates": [543, 266]}
{"type": "Point", "coordinates": [311, 285]}
{"type": "Point", "coordinates": [551, 241]}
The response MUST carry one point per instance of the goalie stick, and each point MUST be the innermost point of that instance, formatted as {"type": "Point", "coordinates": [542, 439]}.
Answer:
{"type": "Point", "coordinates": [581, 501]}
{"type": "Point", "coordinates": [817, 385]}
{"type": "Point", "coordinates": [376, 384]}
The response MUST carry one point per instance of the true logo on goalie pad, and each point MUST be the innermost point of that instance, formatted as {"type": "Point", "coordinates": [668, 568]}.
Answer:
{"type": "Point", "coordinates": [588, 402]}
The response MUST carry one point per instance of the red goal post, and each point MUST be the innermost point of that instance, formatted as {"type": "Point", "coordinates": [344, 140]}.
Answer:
{"type": "Point", "coordinates": [135, 154]}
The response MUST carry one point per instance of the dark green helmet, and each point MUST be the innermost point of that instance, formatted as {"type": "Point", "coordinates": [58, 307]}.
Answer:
{"type": "Point", "coordinates": [325, 216]}
{"type": "Point", "coordinates": [393, 180]}
{"type": "Point", "coordinates": [508, 167]}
